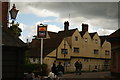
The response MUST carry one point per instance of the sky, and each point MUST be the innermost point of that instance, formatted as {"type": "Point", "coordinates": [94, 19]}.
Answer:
{"type": "Point", "coordinates": [102, 17]}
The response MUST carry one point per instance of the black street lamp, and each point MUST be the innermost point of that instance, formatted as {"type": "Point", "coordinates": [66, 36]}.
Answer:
{"type": "Point", "coordinates": [13, 13]}
{"type": "Point", "coordinates": [14, 27]}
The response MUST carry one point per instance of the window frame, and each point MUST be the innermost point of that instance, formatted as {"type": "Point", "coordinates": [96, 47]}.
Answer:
{"type": "Point", "coordinates": [76, 38]}
{"type": "Point", "coordinates": [64, 51]}
{"type": "Point", "coordinates": [96, 51]}
{"type": "Point", "coordinates": [107, 52]}
{"type": "Point", "coordinates": [86, 39]}
{"type": "Point", "coordinates": [76, 50]}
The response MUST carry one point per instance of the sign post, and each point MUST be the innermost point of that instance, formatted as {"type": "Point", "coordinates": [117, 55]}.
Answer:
{"type": "Point", "coordinates": [41, 34]}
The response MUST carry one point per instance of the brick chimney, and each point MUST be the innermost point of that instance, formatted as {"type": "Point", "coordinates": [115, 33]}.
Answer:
{"type": "Point", "coordinates": [66, 26]}
{"type": "Point", "coordinates": [5, 6]}
{"type": "Point", "coordinates": [84, 27]}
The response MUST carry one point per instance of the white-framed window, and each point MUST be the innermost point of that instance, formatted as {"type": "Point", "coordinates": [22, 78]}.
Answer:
{"type": "Point", "coordinates": [76, 50]}
{"type": "Point", "coordinates": [107, 52]}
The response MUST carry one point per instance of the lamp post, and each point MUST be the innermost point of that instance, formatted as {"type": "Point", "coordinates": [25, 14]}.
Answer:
{"type": "Point", "coordinates": [13, 13]}
{"type": "Point", "coordinates": [14, 27]}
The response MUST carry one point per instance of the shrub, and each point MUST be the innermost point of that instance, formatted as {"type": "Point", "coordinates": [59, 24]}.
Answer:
{"type": "Point", "coordinates": [36, 68]}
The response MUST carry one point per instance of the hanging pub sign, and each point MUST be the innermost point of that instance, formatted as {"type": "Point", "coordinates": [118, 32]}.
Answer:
{"type": "Point", "coordinates": [41, 31]}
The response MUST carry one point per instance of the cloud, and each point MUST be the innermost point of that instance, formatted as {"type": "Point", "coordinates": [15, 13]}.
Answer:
{"type": "Point", "coordinates": [99, 14]}
{"type": "Point", "coordinates": [102, 17]}
{"type": "Point", "coordinates": [29, 31]}
{"type": "Point", "coordinates": [105, 31]}
{"type": "Point", "coordinates": [54, 28]}
{"type": "Point", "coordinates": [42, 12]}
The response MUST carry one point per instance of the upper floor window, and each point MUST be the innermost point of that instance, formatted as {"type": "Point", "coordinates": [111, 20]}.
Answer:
{"type": "Point", "coordinates": [76, 49]}
{"type": "Point", "coordinates": [64, 51]}
{"type": "Point", "coordinates": [96, 41]}
{"type": "Point", "coordinates": [76, 38]}
{"type": "Point", "coordinates": [85, 39]}
{"type": "Point", "coordinates": [107, 52]}
{"type": "Point", "coordinates": [96, 51]}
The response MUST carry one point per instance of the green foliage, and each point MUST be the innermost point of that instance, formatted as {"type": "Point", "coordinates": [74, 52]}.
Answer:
{"type": "Point", "coordinates": [15, 30]}
{"type": "Point", "coordinates": [94, 71]}
{"type": "Point", "coordinates": [37, 68]}
{"type": "Point", "coordinates": [29, 67]}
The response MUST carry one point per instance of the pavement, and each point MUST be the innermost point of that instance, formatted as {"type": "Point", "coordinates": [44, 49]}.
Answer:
{"type": "Point", "coordinates": [88, 76]}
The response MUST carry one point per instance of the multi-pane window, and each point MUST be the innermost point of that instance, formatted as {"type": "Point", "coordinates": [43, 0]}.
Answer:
{"type": "Point", "coordinates": [64, 51]}
{"type": "Point", "coordinates": [76, 49]}
{"type": "Point", "coordinates": [76, 38]}
{"type": "Point", "coordinates": [107, 52]}
{"type": "Point", "coordinates": [96, 51]}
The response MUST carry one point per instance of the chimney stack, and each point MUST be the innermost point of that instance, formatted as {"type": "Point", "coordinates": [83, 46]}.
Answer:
{"type": "Point", "coordinates": [84, 27]}
{"type": "Point", "coordinates": [66, 26]}
{"type": "Point", "coordinates": [5, 6]}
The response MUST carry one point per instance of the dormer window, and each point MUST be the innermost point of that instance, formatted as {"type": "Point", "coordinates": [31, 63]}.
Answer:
{"type": "Point", "coordinates": [96, 41]}
{"type": "Point", "coordinates": [76, 38]}
{"type": "Point", "coordinates": [86, 39]}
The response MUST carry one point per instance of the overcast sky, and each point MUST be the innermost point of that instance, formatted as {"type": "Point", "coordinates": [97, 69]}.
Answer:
{"type": "Point", "coordinates": [102, 17]}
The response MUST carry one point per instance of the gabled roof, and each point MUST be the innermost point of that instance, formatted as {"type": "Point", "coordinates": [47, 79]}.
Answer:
{"type": "Point", "coordinates": [82, 33]}
{"type": "Point", "coordinates": [49, 44]}
{"type": "Point", "coordinates": [8, 39]}
{"type": "Point", "coordinates": [66, 33]}
{"type": "Point", "coordinates": [92, 34]}
{"type": "Point", "coordinates": [103, 38]}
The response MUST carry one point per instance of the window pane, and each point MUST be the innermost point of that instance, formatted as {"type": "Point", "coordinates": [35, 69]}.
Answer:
{"type": "Point", "coordinates": [107, 52]}
{"type": "Point", "coordinates": [76, 38]}
{"type": "Point", "coordinates": [64, 51]}
{"type": "Point", "coordinates": [85, 39]}
{"type": "Point", "coordinates": [76, 50]}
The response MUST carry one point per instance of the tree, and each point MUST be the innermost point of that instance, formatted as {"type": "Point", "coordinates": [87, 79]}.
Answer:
{"type": "Point", "coordinates": [15, 30]}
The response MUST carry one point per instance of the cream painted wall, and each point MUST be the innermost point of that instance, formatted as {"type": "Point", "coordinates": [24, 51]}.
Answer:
{"type": "Point", "coordinates": [86, 49]}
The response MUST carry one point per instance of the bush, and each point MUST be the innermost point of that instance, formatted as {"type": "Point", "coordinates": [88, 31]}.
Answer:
{"type": "Point", "coordinates": [36, 68]}
{"type": "Point", "coordinates": [29, 67]}
{"type": "Point", "coordinates": [94, 70]}
{"type": "Point", "coordinates": [41, 69]}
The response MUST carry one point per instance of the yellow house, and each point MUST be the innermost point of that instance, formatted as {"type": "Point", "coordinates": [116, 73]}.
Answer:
{"type": "Point", "coordinates": [68, 46]}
